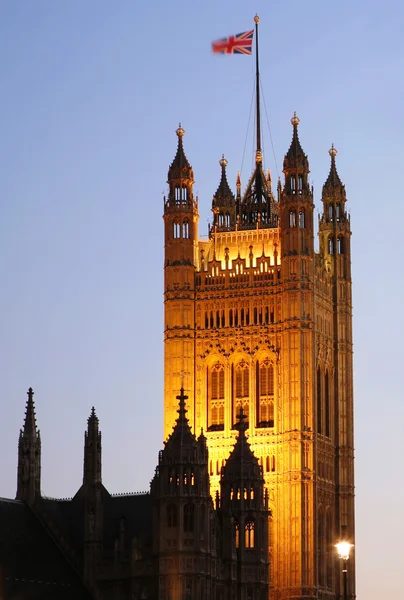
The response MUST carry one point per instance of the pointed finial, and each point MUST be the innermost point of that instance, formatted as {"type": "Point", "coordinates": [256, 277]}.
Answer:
{"type": "Point", "coordinates": [295, 120]}
{"type": "Point", "coordinates": [256, 19]}
{"type": "Point", "coordinates": [30, 419]}
{"type": "Point", "coordinates": [333, 151]}
{"type": "Point", "coordinates": [180, 131]}
{"type": "Point", "coordinates": [223, 162]}
{"type": "Point", "coordinates": [238, 181]}
{"type": "Point", "coordinates": [182, 411]}
{"type": "Point", "coordinates": [241, 425]}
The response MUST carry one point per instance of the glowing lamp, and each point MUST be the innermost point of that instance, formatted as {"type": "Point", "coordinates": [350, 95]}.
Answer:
{"type": "Point", "coordinates": [343, 549]}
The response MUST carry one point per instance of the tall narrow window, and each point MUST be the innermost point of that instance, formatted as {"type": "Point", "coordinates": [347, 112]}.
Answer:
{"type": "Point", "coordinates": [177, 230]}
{"type": "Point", "coordinates": [241, 389]}
{"type": "Point", "coordinates": [265, 394]}
{"type": "Point", "coordinates": [237, 533]}
{"type": "Point", "coordinates": [330, 245]}
{"type": "Point", "coordinates": [216, 398]}
{"type": "Point", "coordinates": [292, 218]}
{"type": "Point", "coordinates": [189, 511]}
{"type": "Point", "coordinates": [340, 245]}
{"type": "Point", "coordinates": [327, 404]}
{"type": "Point", "coordinates": [171, 515]}
{"type": "Point", "coordinates": [249, 534]}
{"type": "Point", "coordinates": [302, 223]}
{"type": "Point", "coordinates": [185, 229]}
{"type": "Point", "coordinates": [338, 212]}
{"type": "Point", "coordinates": [331, 212]}
{"type": "Point", "coordinates": [293, 184]}
{"type": "Point", "coordinates": [319, 402]}
{"type": "Point", "coordinates": [300, 183]}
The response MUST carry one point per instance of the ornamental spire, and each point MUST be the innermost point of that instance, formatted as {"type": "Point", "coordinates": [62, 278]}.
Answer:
{"type": "Point", "coordinates": [295, 157]}
{"type": "Point", "coordinates": [224, 203]}
{"type": "Point", "coordinates": [180, 169]}
{"type": "Point", "coordinates": [30, 428]}
{"type": "Point", "coordinates": [333, 180]}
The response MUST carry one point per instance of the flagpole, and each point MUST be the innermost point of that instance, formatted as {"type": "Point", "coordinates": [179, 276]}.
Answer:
{"type": "Point", "coordinates": [257, 75]}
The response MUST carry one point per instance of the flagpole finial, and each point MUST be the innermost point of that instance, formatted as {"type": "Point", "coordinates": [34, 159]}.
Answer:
{"type": "Point", "coordinates": [256, 19]}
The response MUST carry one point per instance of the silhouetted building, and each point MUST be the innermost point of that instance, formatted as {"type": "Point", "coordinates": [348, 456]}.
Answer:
{"type": "Point", "coordinates": [173, 543]}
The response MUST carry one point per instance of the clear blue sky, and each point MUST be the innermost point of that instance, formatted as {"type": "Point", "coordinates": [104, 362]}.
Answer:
{"type": "Point", "coordinates": [91, 94]}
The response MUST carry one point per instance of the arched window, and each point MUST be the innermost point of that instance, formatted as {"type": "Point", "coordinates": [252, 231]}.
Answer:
{"type": "Point", "coordinates": [185, 229]}
{"type": "Point", "coordinates": [249, 534]}
{"type": "Point", "coordinates": [327, 404]}
{"type": "Point", "coordinates": [330, 245]}
{"type": "Point", "coordinates": [265, 387]}
{"type": "Point", "coordinates": [340, 245]}
{"type": "Point", "coordinates": [216, 398]}
{"type": "Point", "coordinates": [293, 184]}
{"type": "Point", "coordinates": [302, 223]}
{"type": "Point", "coordinates": [331, 212]}
{"type": "Point", "coordinates": [338, 212]}
{"type": "Point", "coordinates": [319, 403]}
{"type": "Point", "coordinates": [300, 183]}
{"type": "Point", "coordinates": [171, 515]}
{"type": "Point", "coordinates": [241, 389]}
{"type": "Point", "coordinates": [292, 218]}
{"type": "Point", "coordinates": [227, 220]}
{"type": "Point", "coordinates": [189, 512]}
{"type": "Point", "coordinates": [177, 230]}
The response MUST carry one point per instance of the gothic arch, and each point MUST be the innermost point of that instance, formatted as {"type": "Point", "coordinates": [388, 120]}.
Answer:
{"type": "Point", "coordinates": [215, 393]}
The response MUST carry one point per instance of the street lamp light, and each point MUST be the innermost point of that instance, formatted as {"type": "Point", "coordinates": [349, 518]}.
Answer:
{"type": "Point", "coordinates": [344, 547]}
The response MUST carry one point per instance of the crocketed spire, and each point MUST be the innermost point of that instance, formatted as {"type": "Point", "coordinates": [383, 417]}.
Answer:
{"type": "Point", "coordinates": [182, 440]}
{"type": "Point", "coordinates": [180, 169]}
{"type": "Point", "coordinates": [295, 157]}
{"type": "Point", "coordinates": [30, 428]}
{"type": "Point", "coordinates": [224, 202]}
{"type": "Point", "coordinates": [92, 419]}
{"type": "Point", "coordinates": [224, 196]}
{"type": "Point", "coordinates": [333, 181]}
{"type": "Point", "coordinates": [242, 463]}
{"type": "Point", "coordinates": [29, 455]}
{"type": "Point", "coordinates": [92, 472]}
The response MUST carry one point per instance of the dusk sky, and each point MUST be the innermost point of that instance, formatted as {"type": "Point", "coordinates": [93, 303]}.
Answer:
{"type": "Point", "coordinates": [91, 94]}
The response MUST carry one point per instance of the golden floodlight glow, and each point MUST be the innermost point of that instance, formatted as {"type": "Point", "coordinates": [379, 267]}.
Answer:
{"type": "Point", "coordinates": [343, 549]}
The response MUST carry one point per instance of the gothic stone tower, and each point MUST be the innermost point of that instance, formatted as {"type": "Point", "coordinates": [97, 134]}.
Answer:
{"type": "Point", "coordinates": [256, 320]}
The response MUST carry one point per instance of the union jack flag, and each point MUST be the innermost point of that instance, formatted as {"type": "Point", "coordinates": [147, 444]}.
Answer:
{"type": "Point", "coordinates": [241, 43]}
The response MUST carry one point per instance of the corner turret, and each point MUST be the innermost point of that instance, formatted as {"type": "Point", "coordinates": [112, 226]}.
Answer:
{"type": "Point", "coordinates": [334, 223]}
{"type": "Point", "coordinates": [296, 200]}
{"type": "Point", "coordinates": [224, 203]}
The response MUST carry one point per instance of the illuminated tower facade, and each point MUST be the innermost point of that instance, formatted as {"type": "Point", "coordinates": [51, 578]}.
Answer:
{"type": "Point", "coordinates": [257, 320]}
